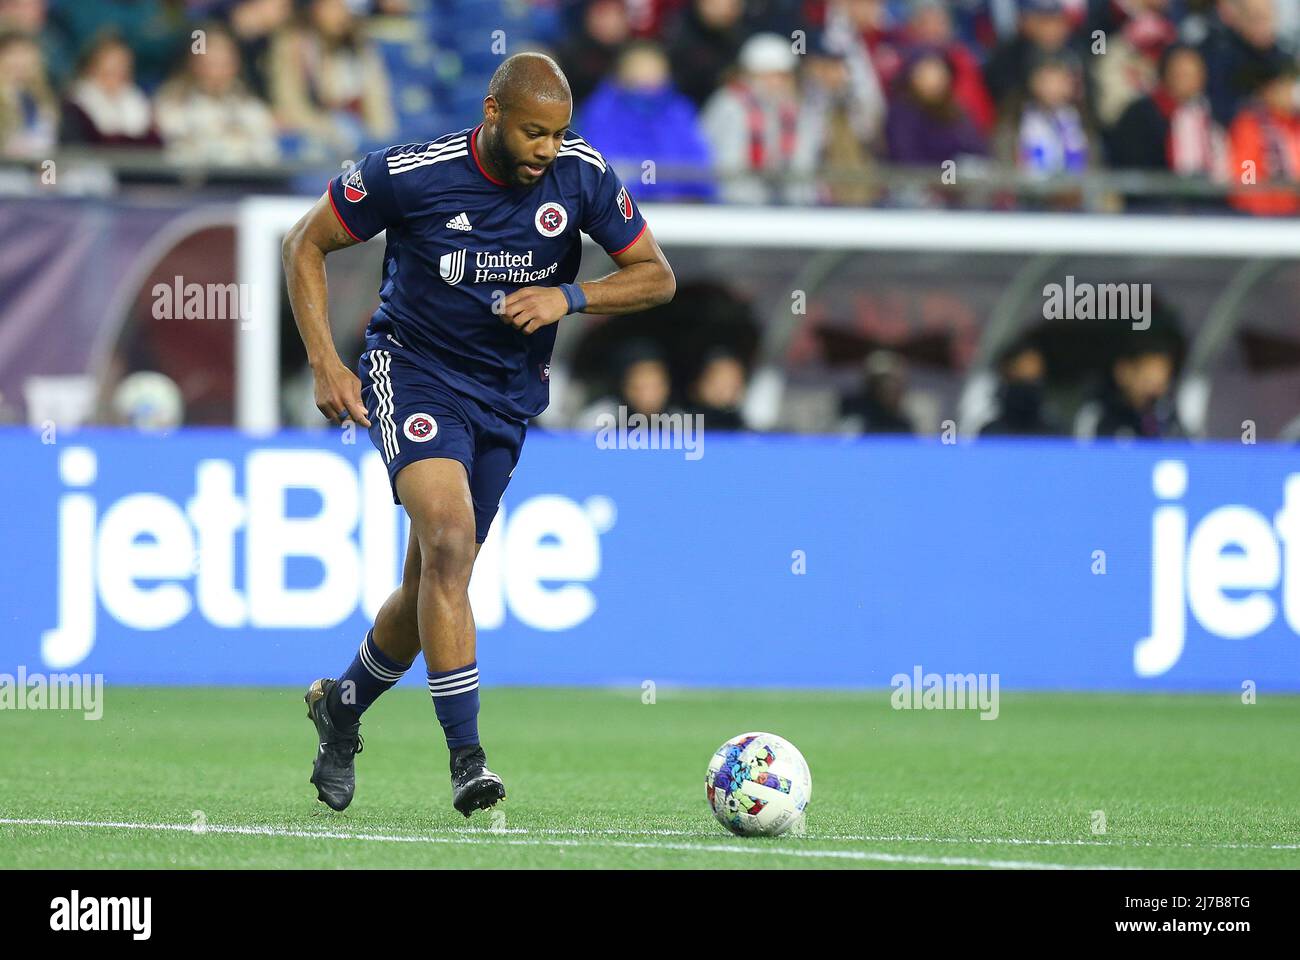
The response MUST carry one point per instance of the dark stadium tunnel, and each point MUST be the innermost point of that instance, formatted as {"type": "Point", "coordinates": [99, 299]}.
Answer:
{"type": "Point", "coordinates": [1268, 352]}
{"type": "Point", "coordinates": [702, 318]}
{"type": "Point", "coordinates": [1077, 351]}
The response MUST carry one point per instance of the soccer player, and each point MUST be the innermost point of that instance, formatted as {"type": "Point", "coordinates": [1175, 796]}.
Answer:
{"type": "Point", "coordinates": [482, 250]}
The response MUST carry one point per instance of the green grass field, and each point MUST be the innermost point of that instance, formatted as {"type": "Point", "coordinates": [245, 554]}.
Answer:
{"type": "Point", "coordinates": [596, 778]}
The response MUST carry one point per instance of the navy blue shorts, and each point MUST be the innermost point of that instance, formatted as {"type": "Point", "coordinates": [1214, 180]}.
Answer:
{"type": "Point", "coordinates": [415, 417]}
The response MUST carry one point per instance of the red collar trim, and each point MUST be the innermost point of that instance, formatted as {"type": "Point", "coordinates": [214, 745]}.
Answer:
{"type": "Point", "coordinates": [473, 149]}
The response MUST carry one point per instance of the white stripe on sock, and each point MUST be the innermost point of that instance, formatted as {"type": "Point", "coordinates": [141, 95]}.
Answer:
{"type": "Point", "coordinates": [374, 668]}
{"type": "Point", "coordinates": [454, 677]}
{"type": "Point", "coordinates": [452, 693]}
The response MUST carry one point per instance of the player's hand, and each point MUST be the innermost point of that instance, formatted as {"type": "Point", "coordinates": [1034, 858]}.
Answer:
{"type": "Point", "coordinates": [530, 309]}
{"type": "Point", "coordinates": [338, 394]}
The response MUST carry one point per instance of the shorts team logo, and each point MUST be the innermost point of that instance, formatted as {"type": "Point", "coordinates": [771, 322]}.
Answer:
{"type": "Point", "coordinates": [624, 204]}
{"type": "Point", "coordinates": [353, 187]}
{"type": "Point", "coordinates": [551, 219]}
{"type": "Point", "coordinates": [420, 428]}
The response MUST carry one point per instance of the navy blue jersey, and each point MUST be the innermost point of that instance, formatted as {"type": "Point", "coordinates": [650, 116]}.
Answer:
{"type": "Point", "coordinates": [459, 241]}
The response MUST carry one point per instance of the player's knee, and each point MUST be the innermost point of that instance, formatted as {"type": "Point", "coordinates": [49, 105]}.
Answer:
{"type": "Point", "coordinates": [409, 588]}
{"type": "Point", "coordinates": [446, 548]}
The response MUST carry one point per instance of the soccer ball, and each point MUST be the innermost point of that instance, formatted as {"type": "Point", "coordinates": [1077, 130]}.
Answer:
{"type": "Point", "coordinates": [758, 784]}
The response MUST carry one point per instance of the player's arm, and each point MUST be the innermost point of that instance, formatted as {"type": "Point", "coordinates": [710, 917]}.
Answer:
{"type": "Point", "coordinates": [644, 279]}
{"type": "Point", "coordinates": [319, 232]}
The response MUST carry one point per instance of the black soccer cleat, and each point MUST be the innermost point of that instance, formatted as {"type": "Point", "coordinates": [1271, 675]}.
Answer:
{"type": "Point", "coordinates": [473, 785]}
{"type": "Point", "coordinates": [333, 772]}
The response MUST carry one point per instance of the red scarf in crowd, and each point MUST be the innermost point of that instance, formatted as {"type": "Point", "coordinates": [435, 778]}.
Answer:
{"type": "Point", "coordinates": [1190, 141]}
{"type": "Point", "coordinates": [756, 122]}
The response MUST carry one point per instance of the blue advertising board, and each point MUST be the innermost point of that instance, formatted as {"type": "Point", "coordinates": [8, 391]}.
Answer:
{"type": "Point", "coordinates": [209, 557]}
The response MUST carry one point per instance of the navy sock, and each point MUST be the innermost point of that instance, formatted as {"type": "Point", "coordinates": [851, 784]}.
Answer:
{"type": "Point", "coordinates": [371, 673]}
{"type": "Point", "coordinates": [455, 698]}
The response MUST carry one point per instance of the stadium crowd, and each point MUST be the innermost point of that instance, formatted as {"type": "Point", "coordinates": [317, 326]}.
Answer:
{"type": "Point", "coordinates": [799, 101]}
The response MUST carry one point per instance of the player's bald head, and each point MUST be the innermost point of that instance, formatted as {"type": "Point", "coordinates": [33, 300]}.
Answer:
{"type": "Point", "coordinates": [525, 116]}
{"type": "Point", "coordinates": [526, 79]}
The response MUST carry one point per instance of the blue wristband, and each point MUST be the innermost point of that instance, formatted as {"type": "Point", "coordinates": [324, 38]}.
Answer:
{"type": "Point", "coordinates": [574, 295]}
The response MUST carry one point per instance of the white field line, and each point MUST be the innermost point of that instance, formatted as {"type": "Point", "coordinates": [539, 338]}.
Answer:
{"type": "Point", "coordinates": [504, 839]}
{"type": "Point", "coordinates": [810, 838]}
{"type": "Point", "coordinates": [867, 838]}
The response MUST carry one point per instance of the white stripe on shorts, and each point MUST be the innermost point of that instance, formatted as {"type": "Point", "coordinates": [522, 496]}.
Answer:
{"type": "Point", "coordinates": [380, 364]}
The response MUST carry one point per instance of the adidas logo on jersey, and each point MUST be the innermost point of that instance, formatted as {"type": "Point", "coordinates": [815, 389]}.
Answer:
{"type": "Point", "coordinates": [459, 222]}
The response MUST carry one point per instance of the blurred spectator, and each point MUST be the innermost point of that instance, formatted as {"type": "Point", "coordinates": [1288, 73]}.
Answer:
{"type": "Point", "coordinates": [878, 406]}
{"type": "Point", "coordinates": [590, 57]}
{"type": "Point", "coordinates": [752, 125]}
{"type": "Point", "coordinates": [105, 107]}
{"type": "Point", "coordinates": [1044, 28]}
{"type": "Point", "coordinates": [155, 31]}
{"type": "Point", "coordinates": [31, 18]}
{"type": "Point", "coordinates": [254, 24]}
{"type": "Point", "coordinates": [651, 18]}
{"type": "Point", "coordinates": [1136, 401]}
{"type": "Point", "coordinates": [719, 391]}
{"type": "Point", "coordinates": [638, 116]}
{"type": "Point", "coordinates": [871, 24]}
{"type": "Point", "coordinates": [29, 111]}
{"type": "Point", "coordinates": [1051, 136]}
{"type": "Point", "coordinates": [1022, 376]}
{"type": "Point", "coordinates": [1140, 32]}
{"type": "Point", "coordinates": [926, 125]}
{"type": "Point", "coordinates": [328, 83]}
{"type": "Point", "coordinates": [207, 115]}
{"type": "Point", "coordinates": [930, 26]}
{"type": "Point", "coordinates": [854, 30]}
{"type": "Point", "coordinates": [703, 44]}
{"type": "Point", "coordinates": [1264, 145]}
{"type": "Point", "coordinates": [1239, 51]}
{"type": "Point", "coordinates": [1171, 129]}
{"type": "Point", "coordinates": [839, 117]}
{"type": "Point", "coordinates": [644, 384]}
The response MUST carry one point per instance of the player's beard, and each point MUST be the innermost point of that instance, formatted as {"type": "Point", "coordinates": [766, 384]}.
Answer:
{"type": "Point", "coordinates": [500, 158]}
